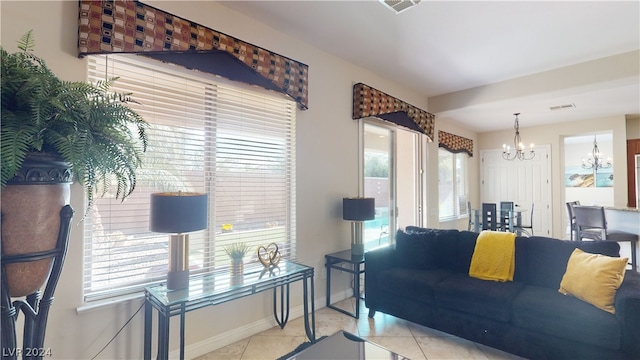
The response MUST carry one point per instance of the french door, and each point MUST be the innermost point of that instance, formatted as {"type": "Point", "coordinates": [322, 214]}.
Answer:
{"type": "Point", "coordinates": [391, 173]}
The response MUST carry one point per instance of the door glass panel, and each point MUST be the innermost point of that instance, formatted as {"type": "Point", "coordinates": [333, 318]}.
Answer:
{"type": "Point", "coordinates": [407, 164]}
{"type": "Point", "coordinates": [378, 170]}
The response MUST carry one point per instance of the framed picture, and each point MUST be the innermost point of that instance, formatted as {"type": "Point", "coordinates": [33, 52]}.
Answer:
{"type": "Point", "coordinates": [576, 176]}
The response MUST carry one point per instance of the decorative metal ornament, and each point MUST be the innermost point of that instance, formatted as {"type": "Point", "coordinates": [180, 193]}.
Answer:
{"type": "Point", "coordinates": [269, 255]}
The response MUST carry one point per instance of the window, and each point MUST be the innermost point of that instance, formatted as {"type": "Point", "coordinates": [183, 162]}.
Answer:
{"type": "Point", "coordinates": [452, 185]}
{"type": "Point", "coordinates": [235, 144]}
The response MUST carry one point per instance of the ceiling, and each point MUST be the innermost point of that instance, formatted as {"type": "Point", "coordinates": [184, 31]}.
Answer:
{"type": "Point", "coordinates": [441, 48]}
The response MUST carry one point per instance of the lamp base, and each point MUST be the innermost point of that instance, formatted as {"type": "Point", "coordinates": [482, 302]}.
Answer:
{"type": "Point", "coordinates": [177, 280]}
{"type": "Point", "coordinates": [357, 249]}
{"type": "Point", "coordinates": [178, 275]}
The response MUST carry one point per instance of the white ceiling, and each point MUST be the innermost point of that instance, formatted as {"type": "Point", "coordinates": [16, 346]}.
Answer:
{"type": "Point", "coordinates": [442, 47]}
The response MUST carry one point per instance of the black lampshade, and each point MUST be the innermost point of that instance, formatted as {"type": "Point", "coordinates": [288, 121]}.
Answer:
{"type": "Point", "coordinates": [358, 209]}
{"type": "Point", "coordinates": [178, 212]}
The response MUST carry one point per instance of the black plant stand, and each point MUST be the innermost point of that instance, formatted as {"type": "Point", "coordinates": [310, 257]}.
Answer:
{"type": "Point", "coordinates": [35, 306]}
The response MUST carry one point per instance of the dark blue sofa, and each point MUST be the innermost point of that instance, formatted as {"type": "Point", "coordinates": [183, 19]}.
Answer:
{"type": "Point", "coordinates": [424, 279]}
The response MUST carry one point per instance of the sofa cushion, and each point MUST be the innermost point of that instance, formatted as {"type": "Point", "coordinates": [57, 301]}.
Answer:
{"type": "Point", "coordinates": [490, 299]}
{"type": "Point", "coordinates": [412, 283]}
{"type": "Point", "coordinates": [452, 248]}
{"type": "Point", "coordinates": [461, 260]}
{"type": "Point", "coordinates": [521, 255]}
{"type": "Point", "coordinates": [593, 278]}
{"type": "Point", "coordinates": [542, 261]}
{"type": "Point", "coordinates": [545, 310]}
{"type": "Point", "coordinates": [415, 250]}
{"type": "Point", "coordinates": [426, 249]}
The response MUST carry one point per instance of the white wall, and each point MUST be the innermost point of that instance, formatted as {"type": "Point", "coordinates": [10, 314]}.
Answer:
{"type": "Point", "coordinates": [327, 171]}
{"type": "Point", "coordinates": [554, 135]}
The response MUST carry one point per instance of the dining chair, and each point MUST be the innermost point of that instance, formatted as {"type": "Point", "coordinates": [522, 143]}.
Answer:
{"type": "Point", "coordinates": [525, 228]}
{"type": "Point", "coordinates": [572, 219]}
{"type": "Point", "coordinates": [506, 215]}
{"type": "Point", "coordinates": [489, 217]}
{"type": "Point", "coordinates": [591, 220]}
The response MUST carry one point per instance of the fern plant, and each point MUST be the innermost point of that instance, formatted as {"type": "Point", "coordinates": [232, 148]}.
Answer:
{"type": "Point", "coordinates": [84, 124]}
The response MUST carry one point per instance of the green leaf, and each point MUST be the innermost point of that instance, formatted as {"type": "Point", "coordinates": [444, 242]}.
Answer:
{"type": "Point", "coordinates": [86, 124]}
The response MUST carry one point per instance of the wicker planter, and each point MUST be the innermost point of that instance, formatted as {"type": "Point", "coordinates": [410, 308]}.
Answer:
{"type": "Point", "coordinates": [31, 204]}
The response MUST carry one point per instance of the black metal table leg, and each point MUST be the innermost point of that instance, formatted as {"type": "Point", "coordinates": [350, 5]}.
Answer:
{"type": "Point", "coordinates": [356, 288]}
{"type": "Point", "coordinates": [163, 336]}
{"type": "Point", "coordinates": [148, 319]}
{"type": "Point", "coordinates": [310, 329]}
{"type": "Point", "coordinates": [284, 310]}
{"type": "Point", "coordinates": [182, 315]}
{"type": "Point", "coordinates": [328, 266]}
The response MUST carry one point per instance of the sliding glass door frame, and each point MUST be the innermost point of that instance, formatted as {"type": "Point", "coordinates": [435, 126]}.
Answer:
{"type": "Point", "coordinates": [417, 171]}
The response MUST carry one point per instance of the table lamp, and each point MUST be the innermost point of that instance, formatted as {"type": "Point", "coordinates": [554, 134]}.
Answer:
{"type": "Point", "coordinates": [358, 210]}
{"type": "Point", "coordinates": [178, 213]}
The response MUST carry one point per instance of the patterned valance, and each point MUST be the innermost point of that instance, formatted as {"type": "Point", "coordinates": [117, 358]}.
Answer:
{"type": "Point", "coordinates": [455, 143]}
{"type": "Point", "coordinates": [368, 101]}
{"type": "Point", "coordinates": [133, 27]}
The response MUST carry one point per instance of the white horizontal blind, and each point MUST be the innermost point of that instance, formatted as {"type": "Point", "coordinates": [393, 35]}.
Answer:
{"type": "Point", "coordinates": [254, 169]}
{"type": "Point", "coordinates": [235, 144]}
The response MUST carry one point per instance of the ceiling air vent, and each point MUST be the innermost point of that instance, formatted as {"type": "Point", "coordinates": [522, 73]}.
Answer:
{"type": "Point", "coordinates": [560, 107]}
{"type": "Point", "coordinates": [398, 6]}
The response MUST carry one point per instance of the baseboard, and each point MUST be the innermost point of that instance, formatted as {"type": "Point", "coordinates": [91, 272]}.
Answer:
{"type": "Point", "coordinates": [229, 337]}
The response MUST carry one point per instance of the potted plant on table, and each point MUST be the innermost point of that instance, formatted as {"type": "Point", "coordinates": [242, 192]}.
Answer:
{"type": "Point", "coordinates": [53, 132]}
{"type": "Point", "coordinates": [236, 252]}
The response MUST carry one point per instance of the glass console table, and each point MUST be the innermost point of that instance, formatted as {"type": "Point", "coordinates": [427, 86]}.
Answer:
{"type": "Point", "coordinates": [219, 287]}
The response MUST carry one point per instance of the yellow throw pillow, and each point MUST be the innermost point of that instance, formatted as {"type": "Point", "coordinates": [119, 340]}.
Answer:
{"type": "Point", "coordinates": [593, 278]}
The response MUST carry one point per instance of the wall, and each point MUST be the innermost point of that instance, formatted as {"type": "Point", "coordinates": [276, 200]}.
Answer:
{"type": "Point", "coordinates": [327, 172]}
{"type": "Point", "coordinates": [554, 135]}
{"type": "Point", "coordinates": [633, 126]}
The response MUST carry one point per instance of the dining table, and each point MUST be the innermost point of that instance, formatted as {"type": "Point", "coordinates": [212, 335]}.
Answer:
{"type": "Point", "coordinates": [514, 216]}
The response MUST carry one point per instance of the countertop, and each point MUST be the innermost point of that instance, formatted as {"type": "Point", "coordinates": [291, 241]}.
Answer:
{"type": "Point", "coordinates": [622, 209]}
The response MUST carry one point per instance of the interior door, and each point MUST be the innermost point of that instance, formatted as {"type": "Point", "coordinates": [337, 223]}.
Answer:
{"type": "Point", "coordinates": [523, 182]}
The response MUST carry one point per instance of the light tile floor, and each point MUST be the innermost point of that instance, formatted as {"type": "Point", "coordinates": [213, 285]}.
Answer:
{"type": "Point", "coordinates": [400, 336]}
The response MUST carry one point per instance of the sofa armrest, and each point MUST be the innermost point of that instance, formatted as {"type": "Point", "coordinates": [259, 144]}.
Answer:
{"type": "Point", "coordinates": [627, 305]}
{"type": "Point", "coordinates": [376, 261]}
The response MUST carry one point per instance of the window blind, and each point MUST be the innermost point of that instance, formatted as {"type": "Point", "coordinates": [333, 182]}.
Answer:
{"type": "Point", "coordinates": [234, 143]}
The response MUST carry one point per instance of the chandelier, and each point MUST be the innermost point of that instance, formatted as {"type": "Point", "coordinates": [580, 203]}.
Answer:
{"type": "Point", "coordinates": [519, 148]}
{"type": "Point", "coordinates": [594, 160]}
